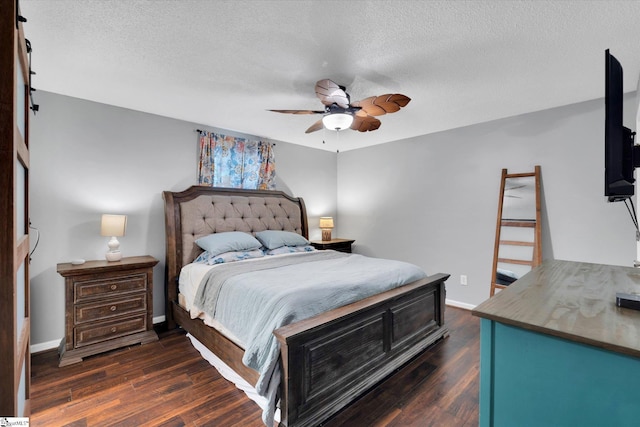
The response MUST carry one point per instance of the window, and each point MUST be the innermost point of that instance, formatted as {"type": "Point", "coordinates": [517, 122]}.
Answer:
{"type": "Point", "coordinates": [232, 162]}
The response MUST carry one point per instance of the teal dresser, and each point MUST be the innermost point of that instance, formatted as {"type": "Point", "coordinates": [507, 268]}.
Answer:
{"type": "Point", "coordinates": [557, 351]}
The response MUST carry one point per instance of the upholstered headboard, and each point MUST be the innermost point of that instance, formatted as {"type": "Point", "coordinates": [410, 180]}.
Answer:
{"type": "Point", "coordinates": [208, 214]}
{"type": "Point", "coordinates": [199, 211]}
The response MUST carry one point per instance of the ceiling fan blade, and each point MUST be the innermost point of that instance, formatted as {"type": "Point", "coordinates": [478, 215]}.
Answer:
{"type": "Point", "coordinates": [298, 111]}
{"type": "Point", "coordinates": [330, 93]}
{"type": "Point", "coordinates": [364, 123]}
{"type": "Point", "coordinates": [400, 99]}
{"type": "Point", "coordinates": [314, 127]}
{"type": "Point", "coordinates": [369, 107]}
{"type": "Point", "coordinates": [383, 104]}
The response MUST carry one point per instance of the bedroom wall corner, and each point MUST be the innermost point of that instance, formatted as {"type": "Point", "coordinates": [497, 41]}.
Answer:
{"type": "Point", "coordinates": [312, 174]}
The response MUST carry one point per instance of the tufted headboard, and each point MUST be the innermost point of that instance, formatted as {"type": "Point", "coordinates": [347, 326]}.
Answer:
{"type": "Point", "coordinates": [199, 211]}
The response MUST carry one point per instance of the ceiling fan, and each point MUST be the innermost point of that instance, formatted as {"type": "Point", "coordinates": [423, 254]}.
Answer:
{"type": "Point", "coordinates": [339, 113]}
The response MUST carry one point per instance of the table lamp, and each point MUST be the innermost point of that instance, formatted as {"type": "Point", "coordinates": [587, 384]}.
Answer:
{"type": "Point", "coordinates": [114, 226]}
{"type": "Point", "coordinates": [326, 224]}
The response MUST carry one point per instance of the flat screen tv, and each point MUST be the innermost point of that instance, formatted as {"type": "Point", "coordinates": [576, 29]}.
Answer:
{"type": "Point", "coordinates": [621, 157]}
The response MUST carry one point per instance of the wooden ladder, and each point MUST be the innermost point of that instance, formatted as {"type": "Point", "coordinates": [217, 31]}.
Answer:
{"type": "Point", "coordinates": [531, 222]}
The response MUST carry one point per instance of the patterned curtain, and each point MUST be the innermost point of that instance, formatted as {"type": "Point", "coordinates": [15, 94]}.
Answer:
{"type": "Point", "coordinates": [205, 163]}
{"type": "Point", "coordinates": [231, 162]}
{"type": "Point", "coordinates": [267, 173]}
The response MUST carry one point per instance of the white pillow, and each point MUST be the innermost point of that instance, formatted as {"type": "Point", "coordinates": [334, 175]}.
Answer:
{"type": "Point", "coordinates": [230, 241]}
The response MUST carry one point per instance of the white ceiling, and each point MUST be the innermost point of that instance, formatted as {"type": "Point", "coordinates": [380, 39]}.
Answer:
{"type": "Point", "coordinates": [225, 63]}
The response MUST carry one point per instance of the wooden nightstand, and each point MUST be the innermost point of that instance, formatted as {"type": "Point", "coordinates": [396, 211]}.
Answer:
{"type": "Point", "coordinates": [341, 245]}
{"type": "Point", "coordinates": [107, 305]}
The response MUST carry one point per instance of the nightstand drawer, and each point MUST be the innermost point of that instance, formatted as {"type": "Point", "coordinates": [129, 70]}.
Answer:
{"type": "Point", "coordinates": [107, 309]}
{"type": "Point", "coordinates": [87, 335]}
{"type": "Point", "coordinates": [341, 247]}
{"type": "Point", "coordinates": [112, 286]}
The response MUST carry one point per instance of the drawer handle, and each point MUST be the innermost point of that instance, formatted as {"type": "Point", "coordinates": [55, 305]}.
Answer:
{"type": "Point", "coordinates": [113, 308]}
{"type": "Point", "coordinates": [114, 329]}
{"type": "Point", "coordinates": [114, 287]}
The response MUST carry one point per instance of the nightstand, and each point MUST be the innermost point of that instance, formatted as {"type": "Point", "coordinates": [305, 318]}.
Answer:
{"type": "Point", "coordinates": [108, 305]}
{"type": "Point", "coordinates": [341, 245]}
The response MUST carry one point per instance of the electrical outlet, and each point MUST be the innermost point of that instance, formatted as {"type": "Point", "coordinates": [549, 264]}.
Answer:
{"type": "Point", "coordinates": [463, 279]}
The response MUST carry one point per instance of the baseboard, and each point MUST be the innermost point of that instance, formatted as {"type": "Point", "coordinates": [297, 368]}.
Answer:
{"type": "Point", "coordinates": [44, 346]}
{"type": "Point", "coordinates": [459, 304]}
{"type": "Point", "coordinates": [49, 345]}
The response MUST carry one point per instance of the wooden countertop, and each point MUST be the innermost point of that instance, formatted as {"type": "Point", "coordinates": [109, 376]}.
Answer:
{"type": "Point", "coordinates": [574, 301]}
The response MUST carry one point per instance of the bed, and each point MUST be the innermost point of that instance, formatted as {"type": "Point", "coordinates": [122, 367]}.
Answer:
{"type": "Point", "coordinates": [325, 361]}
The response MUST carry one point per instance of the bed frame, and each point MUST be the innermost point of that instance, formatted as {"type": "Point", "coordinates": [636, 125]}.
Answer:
{"type": "Point", "coordinates": [328, 360]}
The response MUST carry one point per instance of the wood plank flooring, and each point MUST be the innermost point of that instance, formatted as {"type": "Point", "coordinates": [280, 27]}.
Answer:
{"type": "Point", "coordinates": [167, 383]}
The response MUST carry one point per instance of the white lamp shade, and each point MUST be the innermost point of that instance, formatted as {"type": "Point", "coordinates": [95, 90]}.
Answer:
{"type": "Point", "coordinates": [337, 121]}
{"type": "Point", "coordinates": [326, 222]}
{"type": "Point", "coordinates": [113, 225]}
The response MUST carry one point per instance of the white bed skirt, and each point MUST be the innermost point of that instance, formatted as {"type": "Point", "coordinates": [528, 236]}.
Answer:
{"type": "Point", "coordinates": [231, 375]}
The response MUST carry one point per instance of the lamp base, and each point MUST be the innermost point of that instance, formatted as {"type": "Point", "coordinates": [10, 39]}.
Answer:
{"type": "Point", "coordinates": [113, 256]}
{"type": "Point", "coordinates": [326, 234]}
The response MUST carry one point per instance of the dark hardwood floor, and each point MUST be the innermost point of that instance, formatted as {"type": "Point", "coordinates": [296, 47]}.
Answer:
{"type": "Point", "coordinates": [167, 383]}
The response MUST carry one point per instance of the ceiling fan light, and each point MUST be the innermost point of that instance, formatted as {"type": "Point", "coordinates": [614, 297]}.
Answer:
{"type": "Point", "coordinates": [337, 121]}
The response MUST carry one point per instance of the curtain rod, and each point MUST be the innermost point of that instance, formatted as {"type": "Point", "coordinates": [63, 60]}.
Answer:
{"type": "Point", "coordinates": [260, 137]}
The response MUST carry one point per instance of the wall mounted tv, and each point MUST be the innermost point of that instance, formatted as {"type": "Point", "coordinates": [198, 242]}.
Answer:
{"type": "Point", "coordinates": [621, 156]}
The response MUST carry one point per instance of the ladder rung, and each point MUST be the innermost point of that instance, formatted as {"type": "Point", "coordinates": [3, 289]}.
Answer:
{"type": "Point", "coordinates": [499, 286]}
{"type": "Point", "coordinates": [520, 175]}
{"type": "Point", "coordinates": [516, 223]}
{"type": "Point", "coordinates": [515, 243]}
{"type": "Point", "coordinates": [515, 261]}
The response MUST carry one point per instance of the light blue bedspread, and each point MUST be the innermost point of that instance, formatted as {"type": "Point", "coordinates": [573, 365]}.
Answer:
{"type": "Point", "coordinates": [252, 299]}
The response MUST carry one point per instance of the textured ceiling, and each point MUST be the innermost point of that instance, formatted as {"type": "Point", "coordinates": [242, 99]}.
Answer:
{"type": "Point", "coordinates": [225, 63]}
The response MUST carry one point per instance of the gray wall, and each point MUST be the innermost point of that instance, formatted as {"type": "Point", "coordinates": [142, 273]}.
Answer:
{"type": "Point", "coordinates": [89, 158]}
{"type": "Point", "coordinates": [430, 200]}
{"type": "Point", "coordinates": [433, 199]}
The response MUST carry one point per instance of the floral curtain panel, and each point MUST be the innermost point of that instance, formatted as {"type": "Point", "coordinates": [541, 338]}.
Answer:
{"type": "Point", "coordinates": [205, 163]}
{"type": "Point", "coordinates": [231, 162]}
{"type": "Point", "coordinates": [267, 171]}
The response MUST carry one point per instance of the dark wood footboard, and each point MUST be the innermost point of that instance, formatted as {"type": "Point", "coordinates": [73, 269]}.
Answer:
{"type": "Point", "coordinates": [331, 359]}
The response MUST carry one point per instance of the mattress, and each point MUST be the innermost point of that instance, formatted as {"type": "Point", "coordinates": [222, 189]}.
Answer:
{"type": "Point", "coordinates": [191, 276]}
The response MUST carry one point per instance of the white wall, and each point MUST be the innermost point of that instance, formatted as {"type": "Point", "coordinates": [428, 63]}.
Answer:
{"type": "Point", "coordinates": [433, 199]}
{"type": "Point", "coordinates": [89, 158]}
